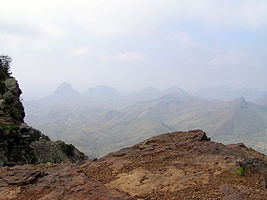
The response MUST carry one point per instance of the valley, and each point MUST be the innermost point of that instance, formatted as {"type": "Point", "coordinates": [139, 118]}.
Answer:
{"type": "Point", "coordinates": [102, 120]}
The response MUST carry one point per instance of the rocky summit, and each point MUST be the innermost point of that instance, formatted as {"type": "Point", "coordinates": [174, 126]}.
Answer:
{"type": "Point", "coordinates": [178, 165]}
{"type": "Point", "coordinates": [20, 143]}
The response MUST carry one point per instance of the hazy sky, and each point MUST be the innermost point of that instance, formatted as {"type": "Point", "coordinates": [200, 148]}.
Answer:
{"type": "Point", "coordinates": [131, 44]}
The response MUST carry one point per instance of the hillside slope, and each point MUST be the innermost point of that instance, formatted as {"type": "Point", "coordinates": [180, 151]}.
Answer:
{"type": "Point", "coordinates": [99, 130]}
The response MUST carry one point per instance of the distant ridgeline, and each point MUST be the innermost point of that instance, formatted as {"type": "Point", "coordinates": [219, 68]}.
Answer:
{"type": "Point", "coordinates": [20, 143]}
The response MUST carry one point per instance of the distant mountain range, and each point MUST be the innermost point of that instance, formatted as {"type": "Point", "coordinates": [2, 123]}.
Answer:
{"type": "Point", "coordinates": [103, 120]}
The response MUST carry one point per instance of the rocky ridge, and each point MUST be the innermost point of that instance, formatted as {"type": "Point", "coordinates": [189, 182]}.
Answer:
{"type": "Point", "coordinates": [178, 165]}
{"type": "Point", "coordinates": [20, 143]}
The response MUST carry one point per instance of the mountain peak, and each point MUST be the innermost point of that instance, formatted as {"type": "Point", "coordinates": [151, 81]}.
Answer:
{"type": "Point", "coordinates": [239, 100]}
{"type": "Point", "coordinates": [64, 87]}
{"type": "Point", "coordinates": [176, 91]}
{"type": "Point", "coordinates": [239, 103]}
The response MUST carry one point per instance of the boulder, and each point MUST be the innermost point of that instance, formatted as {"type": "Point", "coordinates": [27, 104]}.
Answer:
{"type": "Point", "coordinates": [9, 96]}
{"type": "Point", "coordinates": [226, 189]}
{"type": "Point", "coordinates": [12, 85]}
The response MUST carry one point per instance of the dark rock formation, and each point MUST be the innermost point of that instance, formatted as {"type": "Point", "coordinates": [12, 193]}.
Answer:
{"type": "Point", "coordinates": [20, 143]}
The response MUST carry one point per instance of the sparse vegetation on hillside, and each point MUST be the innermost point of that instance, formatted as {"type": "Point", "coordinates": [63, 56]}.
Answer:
{"type": "Point", "coordinates": [5, 62]}
{"type": "Point", "coordinates": [99, 130]}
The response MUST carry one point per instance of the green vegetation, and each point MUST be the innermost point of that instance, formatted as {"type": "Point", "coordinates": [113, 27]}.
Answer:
{"type": "Point", "coordinates": [7, 128]}
{"type": "Point", "coordinates": [2, 86]}
{"type": "Point", "coordinates": [6, 62]}
{"type": "Point", "coordinates": [99, 131]}
{"type": "Point", "coordinates": [68, 149]}
{"type": "Point", "coordinates": [240, 170]}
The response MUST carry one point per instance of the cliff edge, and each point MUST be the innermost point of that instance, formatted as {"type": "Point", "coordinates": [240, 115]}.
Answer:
{"type": "Point", "coordinates": [20, 143]}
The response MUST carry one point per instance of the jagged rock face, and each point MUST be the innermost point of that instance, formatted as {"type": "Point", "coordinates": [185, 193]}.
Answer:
{"type": "Point", "coordinates": [20, 143]}
{"type": "Point", "coordinates": [179, 165]}
{"type": "Point", "coordinates": [9, 99]}
{"type": "Point", "coordinates": [46, 151]}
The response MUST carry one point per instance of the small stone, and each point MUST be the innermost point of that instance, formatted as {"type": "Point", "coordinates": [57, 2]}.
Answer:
{"type": "Point", "coordinates": [226, 189]}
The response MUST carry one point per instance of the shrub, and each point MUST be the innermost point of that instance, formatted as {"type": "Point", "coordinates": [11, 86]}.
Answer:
{"type": "Point", "coordinates": [6, 61]}
{"type": "Point", "coordinates": [238, 170]}
{"type": "Point", "coordinates": [241, 170]}
{"type": "Point", "coordinates": [68, 149]}
{"type": "Point", "coordinates": [2, 87]}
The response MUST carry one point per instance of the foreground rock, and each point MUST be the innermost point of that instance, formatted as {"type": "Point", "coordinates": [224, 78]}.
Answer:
{"type": "Point", "coordinates": [62, 181]}
{"type": "Point", "coordinates": [179, 165]}
{"type": "Point", "coordinates": [20, 143]}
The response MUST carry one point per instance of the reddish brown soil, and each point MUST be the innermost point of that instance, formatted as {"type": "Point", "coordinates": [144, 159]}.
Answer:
{"type": "Point", "coordinates": [179, 165]}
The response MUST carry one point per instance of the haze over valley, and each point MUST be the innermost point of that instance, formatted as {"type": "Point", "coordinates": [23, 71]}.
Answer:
{"type": "Point", "coordinates": [102, 120]}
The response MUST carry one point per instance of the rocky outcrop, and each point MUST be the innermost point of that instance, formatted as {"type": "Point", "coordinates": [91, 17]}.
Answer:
{"type": "Point", "coordinates": [46, 151]}
{"type": "Point", "coordinates": [10, 103]}
{"type": "Point", "coordinates": [20, 143]}
{"type": "Point", "coordinates": [179, 165]}
{"type": "Point", "coordinates": [62, 181]}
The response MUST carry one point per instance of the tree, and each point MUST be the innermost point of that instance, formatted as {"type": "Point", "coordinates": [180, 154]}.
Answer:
{"type": "Point", "coordinates": [5, 63]}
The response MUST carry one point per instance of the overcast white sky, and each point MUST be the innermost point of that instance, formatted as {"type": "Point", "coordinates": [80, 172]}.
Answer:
{"type": "Point", "coordinates": [131, 44]}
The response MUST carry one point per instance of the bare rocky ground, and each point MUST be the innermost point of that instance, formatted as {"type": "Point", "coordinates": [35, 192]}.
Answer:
{"type": "Point", "coordinates": [179, 165]}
